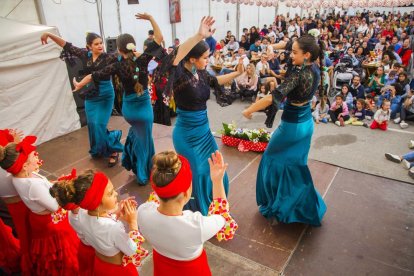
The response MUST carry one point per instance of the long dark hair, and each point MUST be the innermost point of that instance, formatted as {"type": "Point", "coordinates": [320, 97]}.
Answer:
{"type": "Point", "coordinates": [90, 37]}
{"type": "Point", "coordinates": [308, 44]}
{"type": "Point", "coordinates": [121, 42]}
{"type": "Point", "coordinates": [198, 50]}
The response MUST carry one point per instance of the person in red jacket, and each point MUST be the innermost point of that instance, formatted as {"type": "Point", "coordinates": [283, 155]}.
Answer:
{"type": "Point", "coordinates": [405, 52]}
{"type": "Point", "coordinates": [388, 32]}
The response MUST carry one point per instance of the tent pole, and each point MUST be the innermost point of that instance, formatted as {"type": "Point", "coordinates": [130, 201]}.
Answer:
{"type": "Point", "coordinates": [39, 11]}
{"type": "Point", "coordinates": [237, 20]}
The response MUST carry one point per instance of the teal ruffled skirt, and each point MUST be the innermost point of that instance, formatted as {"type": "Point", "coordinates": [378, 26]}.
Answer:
{"type": "Point", "coordinates": [193, 139]}
{"type": "Point", "coordinates": [139, 145]}
{"type": "Point", "coordinates": [284, 186]}
{"type": "Point", "coordinates": [98, 112]}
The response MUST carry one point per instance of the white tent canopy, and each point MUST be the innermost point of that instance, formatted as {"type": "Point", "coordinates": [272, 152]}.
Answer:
{"type": "Point", "coordinates": [35, 93]}
{"type": "Point", "coordinates": [306, 4]}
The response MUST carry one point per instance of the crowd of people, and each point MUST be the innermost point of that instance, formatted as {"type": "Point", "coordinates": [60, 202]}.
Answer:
{"type": "Point", "coordinates": [73, 225]}
{"type": "Point", "coordinates": [367, 63]}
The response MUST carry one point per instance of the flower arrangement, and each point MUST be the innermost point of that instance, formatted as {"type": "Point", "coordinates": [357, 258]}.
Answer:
{"type": "Point", "coordinates": [245, 139]}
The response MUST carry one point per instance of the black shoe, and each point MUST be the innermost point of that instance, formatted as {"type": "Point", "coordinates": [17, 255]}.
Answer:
{"type": "Point", "coordinates": [392, 157]}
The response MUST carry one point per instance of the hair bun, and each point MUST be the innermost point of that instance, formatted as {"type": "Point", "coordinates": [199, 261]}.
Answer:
{"type": "Point", "coordinates": [2, 153]}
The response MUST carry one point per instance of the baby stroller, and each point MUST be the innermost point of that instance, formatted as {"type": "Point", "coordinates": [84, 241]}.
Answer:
{"type": "Point", "coordinates": [343, 74]}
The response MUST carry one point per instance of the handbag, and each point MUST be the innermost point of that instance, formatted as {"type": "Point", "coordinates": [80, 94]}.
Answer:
{"type": "Point", "coordinates": [89, 91]}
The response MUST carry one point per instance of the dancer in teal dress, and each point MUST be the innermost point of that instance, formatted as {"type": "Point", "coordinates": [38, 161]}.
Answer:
{"type": "Point", "coordinates": [98, 108]}
{"type": "Point", "coordinates": [132, 69]}
{"type": "Point", "coordinates": [284, 186]}
{"type": "Point", "coordinates": [192, 136]}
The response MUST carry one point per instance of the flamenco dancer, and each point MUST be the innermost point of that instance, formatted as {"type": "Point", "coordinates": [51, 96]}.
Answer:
{"type": "Point", "coordinates": [165, 221]}
{"type": "Point", "coordinates": [191, 83]}
{"type": "Point", "coordinates": [99, 101]}
{"type": "Point", "coordinates": [284, 187]}
{"type": "Point", "coordinates": [116, 249]}
{"type": "Point", "coordinates": [15, 253]}
{"type": "Point", "coordinates": [132, 69]}
{"type": "Point", "coordinates": [53, 243]}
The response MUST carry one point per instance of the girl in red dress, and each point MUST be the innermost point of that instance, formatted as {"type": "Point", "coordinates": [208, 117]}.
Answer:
{"type": "Point", "coordinates": [53, 243]}
{"type": "Point", "coordinates": [117, 252]}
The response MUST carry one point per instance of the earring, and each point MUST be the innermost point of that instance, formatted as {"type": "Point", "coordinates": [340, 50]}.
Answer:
{"type": "Point", "coordinates": [194, 70]}
{"type": "Point", "coordinates": [98, 213]}
{"type": "Point", "coordinates": [89, 53]}
{"type": "Point", "coordinates": [304, 62]}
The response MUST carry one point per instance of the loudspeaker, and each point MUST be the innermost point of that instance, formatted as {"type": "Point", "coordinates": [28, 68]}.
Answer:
{"type": "Point", "coordinates": [110, 44]}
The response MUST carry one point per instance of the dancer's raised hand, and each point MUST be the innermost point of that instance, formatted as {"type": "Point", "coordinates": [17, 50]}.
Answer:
{"type": "Point", "coordinates": [144, 16]}
{"type": "Point", "coordinates": [206, 26]}
{"type": "Point", "coordinates": [44, 38]}
{"type": "Point", "coordinates": [247, 114]}
{"type": "Point", "coordinates": [217, 167]}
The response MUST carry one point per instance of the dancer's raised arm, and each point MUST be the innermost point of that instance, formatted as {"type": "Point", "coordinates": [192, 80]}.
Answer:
{"type": "Point", "coordinates": [205, 30]}
{"type": "Point", "coordinates": [158, 37]}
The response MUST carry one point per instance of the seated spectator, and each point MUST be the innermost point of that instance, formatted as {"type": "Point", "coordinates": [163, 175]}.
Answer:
{"type": "Point", "coordinates": [376, 82]}
{"type": "Point", "coordinates": [216, 59]}
{"type": "Point", "coordinates": [339, 111]}
{"type": "Point", "coordinates": [321, 111]}
{"type": "Point", "coordinates": [405, 83]}
{"type": "Point", "coordinates": [388, 33]}
{"type": "Point", "coordinates": [244, 43]}
{"type": "Point", "coordinates": [382, 116]}
{"type": "Point", "coordinates": [233, 45]}
{"type": "Point", "coordinates": [274, 64]}
{"type": "Point", "coordinates": [387, 61]}
{"type": "Point", "coordinates": [266, 46]}
{"type": "Point", "coordinates": [227, 38]}
{"type": "Point", "coordinates": [358, 116]}
{"type": "Point", "coordinates": [406, 160]}
{"type": "Point", "coordinates": [263, 70]}
{"type": "Point", "coordinates": [351, 55]}
{"type": "Point", "coordinates": [241, 53]}
{"type": "Point", "coordinates": [255, 48]}
{"type": "Point", "coordinates": [360, 55]}
{"type": "Point", "coordinates": [347, 96]}
{"type": "Point", "coordinates": [405, 52]}
{"type": "Point", "coordinates": [390, 78]}
{"type": "Point", "coordinates": [247, 82]}
{"type": "Point", "coordinates": [357, 89]}
{"type": "Point", "coordinates": [263, 91]}
{"type": "Point", "coordinates": [282, 60]}
{"type": "Point", "coordinates": [395, 44]}
{"type": "Point", "coordinates": [369, 106]}
{"type": "Point", "coordinates": [380, 46]}
{"type": "Point", "coordinates": [221, 46]}
{"type": "Point", "coordinates": [407, 109]}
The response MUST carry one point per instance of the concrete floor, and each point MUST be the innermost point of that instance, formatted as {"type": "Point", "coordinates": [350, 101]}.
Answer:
{"type": "Point", "coordinates": [367, 230]}
{"type": "Point", "coordinates": [352, 147]}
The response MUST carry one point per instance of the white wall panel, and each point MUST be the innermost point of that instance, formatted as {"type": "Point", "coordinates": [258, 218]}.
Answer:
{"type": "Point", "coordinates": [23, 12]}
{"type": "Point", "coordinates": [249, 17]}
{"type": "Point", "coordinates": [226, 18]}
{"type": "Point", "coordinates": [191, 13]}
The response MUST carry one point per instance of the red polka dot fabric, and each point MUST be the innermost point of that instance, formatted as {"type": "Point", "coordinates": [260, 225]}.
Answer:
{"type": "Point", "coordinates": [243, 145]}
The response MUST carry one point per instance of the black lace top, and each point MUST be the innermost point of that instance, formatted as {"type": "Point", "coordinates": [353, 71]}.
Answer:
{"type": "Point", "coordinates": [190, 93]}
{"type": "Point", "coordinates": [127, 69]}
{"type": "Point", "coordinates": [300, 86]}
{"type": "Point", "coordinates": [90, 66]}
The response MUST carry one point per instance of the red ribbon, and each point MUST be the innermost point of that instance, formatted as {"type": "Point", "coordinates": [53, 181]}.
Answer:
{"type": "Point", "coordinates": [25, 147]}
{"type": "Point", "coordinates": [5, 137]}
{"type": "Point", "coordinates": [179, 184]}
{"type": "Point", "coordinates": [71, 176]}
{"type": "Point", "coordinates": [94, 195]}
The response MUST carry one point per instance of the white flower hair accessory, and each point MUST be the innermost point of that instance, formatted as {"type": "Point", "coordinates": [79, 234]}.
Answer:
{"type": "Point", "coordinates": [131, 46]}
{"type": "Point", "coordinates": [314, 32]}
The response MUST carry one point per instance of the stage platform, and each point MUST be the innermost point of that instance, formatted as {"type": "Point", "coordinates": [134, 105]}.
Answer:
{"type": "Point", "coordinates": [368, 228]}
